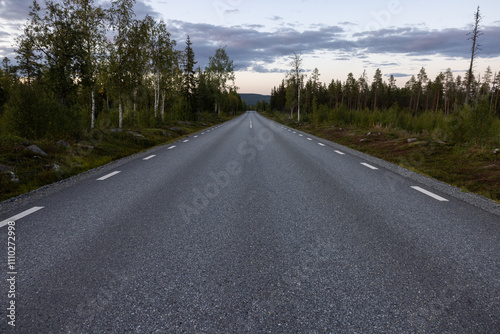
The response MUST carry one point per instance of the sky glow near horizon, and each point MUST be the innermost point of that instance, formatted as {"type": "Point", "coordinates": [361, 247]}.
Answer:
{"type": "Point", "coordinates": [337, 37]}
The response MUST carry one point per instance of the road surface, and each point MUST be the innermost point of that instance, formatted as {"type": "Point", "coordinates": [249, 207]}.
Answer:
{"type": "Point", "coordinates": [251, 227]}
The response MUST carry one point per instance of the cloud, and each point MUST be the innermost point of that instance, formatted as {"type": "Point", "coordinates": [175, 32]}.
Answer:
{"type": "Point", "coordinates": [142, 9]}
{"type": "Point", "coordinates": [14, 10]}
{"type": "Point", "coordinates": [247, 45]}
{"type": "Point", "coordinates": [398, 75]}
{"type": "Point", "coordinates": [347, 23]}
{"type": "Point", "coordinates": [275, 18]}
{"type": "Point", "coordinates": [450, 42]}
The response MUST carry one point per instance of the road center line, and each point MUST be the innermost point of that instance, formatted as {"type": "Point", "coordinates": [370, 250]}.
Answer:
{"type": "Point", "coordinates": [108, 176]}
{"type": "Point", "coordinates": [338, 152]}
{"type": "Point", "coordinates": [309, 138]}
{"type": "Point", "coordinates": [150, 157]}
{"type": "Point", "coordinates": [171, 147]}
{"type": "Point", "coordinates": [21, 215]}
{"type": "Point", "coordinates": [185, 141]}
{"type": "Point", "coordinates": [301, 135]}
{"type": "Point", "coordinates": [428, 193]}
{"type": "Point", "coordinates": [195, 137]}
{"type": "Point", "coordinates": [321, 144]}
{"type": "Point", "coordinates": [369, 166]}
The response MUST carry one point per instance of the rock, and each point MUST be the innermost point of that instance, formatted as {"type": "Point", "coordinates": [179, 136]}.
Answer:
{"type": "Point", "coordinates": [369, 134]}
{"type": "Point", "coordinates": [62, 143]}
{"type": "Point", "coordinates": [37, 150]}
{"type": "Point", "coordinates": [411, 140]}
{"type": "Point", "coordinates": [13, 177]}
{"type": "Point", "coordinates": [175, 129]}
{"type": "Point", "coordinates": [362, 140]}
{"type": "Point", "coordinates": [135, 134]}
{"type": "Point", "coordinates": [87, 147]}
{"type": "Point", "coordinates": [55, 167]}
{"type": "Point", "coordinates": [5, 169]}
{"type": "Point", "coordinates": [496, 151]}
{"type": "Point", "coordinates": [441, 142]}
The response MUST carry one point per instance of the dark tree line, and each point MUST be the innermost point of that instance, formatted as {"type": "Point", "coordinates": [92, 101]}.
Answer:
{"type": "Point", "coordinates": [78, 63]}
{"type": "Point", "coordinates": [446, 93]}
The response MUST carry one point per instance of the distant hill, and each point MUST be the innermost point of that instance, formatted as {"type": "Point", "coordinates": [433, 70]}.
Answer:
{"type": "Point", "coordinates": [252, 99]}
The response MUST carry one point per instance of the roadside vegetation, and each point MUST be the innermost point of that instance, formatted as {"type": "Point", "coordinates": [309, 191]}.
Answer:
{"type": "Point", "coordinates": [447, 128]}
{"type": "Point", "coordinates": [90, 85]}
{"type": "Point", "coordinates": [459, 146]}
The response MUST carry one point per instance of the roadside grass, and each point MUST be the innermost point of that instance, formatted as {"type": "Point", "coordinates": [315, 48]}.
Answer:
{"type": "Point", "coordinates": [470, 167]}
{"type": "Point", "coordinates": [69, 157]}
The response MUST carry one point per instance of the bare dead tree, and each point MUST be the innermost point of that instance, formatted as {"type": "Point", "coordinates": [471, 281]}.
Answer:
{"type": "Point", "coordinates": [473, 35]}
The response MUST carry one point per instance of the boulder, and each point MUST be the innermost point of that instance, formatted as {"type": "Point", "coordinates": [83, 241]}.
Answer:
{"type": "Point", "coordinates": [37, 150]}
{"type": "Point", "coordinates": [62, 143]}
{"type": "Point", "coordinates": [13, 177]}
{"type": "Point", "coordinates": [5, 168]}
{"type": "Point", "coordinates": [135, 134]}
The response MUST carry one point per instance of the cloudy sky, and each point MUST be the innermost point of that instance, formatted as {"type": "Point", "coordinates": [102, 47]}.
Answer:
{"type": "Point", "coordinates": [337, 37]}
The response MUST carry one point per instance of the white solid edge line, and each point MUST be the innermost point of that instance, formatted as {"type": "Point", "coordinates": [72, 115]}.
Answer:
{"type": "Point", "coordinates": [338, 152]}
{"type": "Point", "coordinates": [171, 147]}
{"type": "Point", "coordinates": [150, 157]}
{"type": "Point", "coordinates": [108, 176]}
{"type": "Point", "coordinates": [369, 166]}
{"type": "Point", "coordinates": [21, 215]}
{"type": "Point", "coordinates": [321, 144]}
{"type": "Point", "coordinates": [428, 193]}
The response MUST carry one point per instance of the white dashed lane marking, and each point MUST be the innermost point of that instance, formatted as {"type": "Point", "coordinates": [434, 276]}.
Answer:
{"type": "Point", "coordinates": [428, 193]}
{"type": "Point", "coordinates": [21, 215]}
{"type": "Point", "coordinates": [369, 166]}
{"type": "Point", "coordinates": [148, 158]}
{"type": "Point", "coordinates": [105, 177]}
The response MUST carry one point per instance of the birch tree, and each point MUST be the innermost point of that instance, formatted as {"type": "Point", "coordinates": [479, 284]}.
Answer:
{"type": "Point", "coordinates": [121, 18]}
{"type": "Point", "coordinates": [220, 70]}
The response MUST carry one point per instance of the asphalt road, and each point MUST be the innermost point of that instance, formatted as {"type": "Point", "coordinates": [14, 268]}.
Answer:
{"type": "Point", "coordinates": [251, 227]}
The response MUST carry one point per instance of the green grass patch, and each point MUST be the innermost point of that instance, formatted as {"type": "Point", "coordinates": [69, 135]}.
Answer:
{"type": "Point", "coordinates": [468, 165]}
{"type": "Point", "coordinates": [91, 150]}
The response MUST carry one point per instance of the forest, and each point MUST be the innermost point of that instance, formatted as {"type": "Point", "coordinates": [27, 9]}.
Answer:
{"type": "Point", "coordinates": [422, 104]}
{"type": "Point", "coordinates": [81, 67]}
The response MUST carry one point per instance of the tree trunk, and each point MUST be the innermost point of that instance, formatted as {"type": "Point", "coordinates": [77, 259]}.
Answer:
{"type": "Point", "coordinates": [475, 35]}
{"type": "Point", "coordinates": [120, 113]}
{"type": "Point", "coordinates": [163, 106]}
{"type": "Point", "coordinates": [92, 121]}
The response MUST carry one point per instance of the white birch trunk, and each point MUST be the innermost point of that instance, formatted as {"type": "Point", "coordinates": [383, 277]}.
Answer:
{"type": "Point", "coordinates": [163, 106]}
{"type": "Point", "coordinates": [120, 114]}
{"type": "Point", "coordinates": [92, 121]}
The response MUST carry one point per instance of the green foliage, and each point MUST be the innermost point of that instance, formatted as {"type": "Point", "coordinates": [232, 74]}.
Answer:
{"type": "Point", "coordinates": [33, 112]}
{"type": "Point", "coordinates": [474, 124]}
